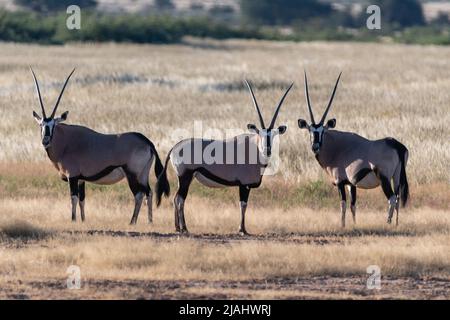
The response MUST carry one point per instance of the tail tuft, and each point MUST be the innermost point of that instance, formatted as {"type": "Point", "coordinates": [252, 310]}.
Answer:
{"type": "Point", "coordinates": [404, 187]}
{"type": "Point", "coordinates": [402, 152]}
{"type": "Point", "coordinates": [162, 185]}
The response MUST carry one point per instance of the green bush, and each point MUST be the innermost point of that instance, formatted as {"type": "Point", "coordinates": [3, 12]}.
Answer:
{"type": "Point", "coordinates": [54, 5]}
{"type": "Point", "coordinates": [284, 12]}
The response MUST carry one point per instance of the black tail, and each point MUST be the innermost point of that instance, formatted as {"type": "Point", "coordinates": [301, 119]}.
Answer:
{"type": "Point", "coordinates": [402, 152]}
{"type": "Point", "coordinates": [162, 185]}
{"type": "Point", "coordinates": [404, 187]}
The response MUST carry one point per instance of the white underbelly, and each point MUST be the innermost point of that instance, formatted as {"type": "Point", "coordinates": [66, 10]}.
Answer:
{"type": "Point", "coordinates": [115, 176]}
{"type": "Point", "coordinates": [370, 181]}
{"type": "Point", "coordinates": [207, 182]}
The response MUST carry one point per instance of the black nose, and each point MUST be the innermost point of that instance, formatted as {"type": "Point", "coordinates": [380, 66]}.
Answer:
{"type": "Point", "coordinates": [315, 147]}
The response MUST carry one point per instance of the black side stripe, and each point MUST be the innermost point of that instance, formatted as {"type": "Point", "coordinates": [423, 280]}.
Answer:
{"type": "Point", "coordinates": [99, 175]}
{"type": "Point", "coordinates": [361, 174]}
{"type": "Point", "coordinates": [224, 182]}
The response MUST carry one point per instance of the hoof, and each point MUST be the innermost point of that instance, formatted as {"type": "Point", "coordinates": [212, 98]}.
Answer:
{"type": "Point", "coordinates": [389, 220]}
{"type": "Point", "coordinates": [243, 233]}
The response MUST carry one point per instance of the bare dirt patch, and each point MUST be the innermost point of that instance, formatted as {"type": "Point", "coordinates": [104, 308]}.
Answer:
{"type": "Point", "coordinates": [353, 287]}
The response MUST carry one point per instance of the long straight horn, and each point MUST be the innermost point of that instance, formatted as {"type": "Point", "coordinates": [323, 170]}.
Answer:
{"type": "Point", "coordinates": [60, 95]}
{"type": "Point", "coordinates": [275, 115]}
{"type": "Point", "coordinates": [39, 93]}
{"type": "Point", "coordinates": [331, 99]}
{"type": "Point", "coordinates": [255, 103]}
{"type": "Point", "coordinates": [308, 102]}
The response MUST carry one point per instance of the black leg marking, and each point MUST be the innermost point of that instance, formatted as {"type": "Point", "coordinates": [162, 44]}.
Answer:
{"type": "Point", "coordinates": [389, 193]}
{"type": "Point", "coordinates": [353, 202]}
{"type": "Point", "coordinates": [138, 191]}
{"type": "Point", "coordinates": [82, 196]}
{"type": "Point", "coordinates": [183, 188]}
{"type": "Point", "coordinates": [74, 193]}
{"type": "Point", "coordinates": [386, 186]}
{"type": "Point", "coordinates": [82, 190]}
{"type": "Point", "coordinates": [341, 188]}
{"type": "Point", "coordinates": [244, 192]}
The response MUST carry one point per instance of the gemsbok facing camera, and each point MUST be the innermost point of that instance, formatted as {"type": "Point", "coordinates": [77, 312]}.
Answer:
{"type": "Point", "coordinates": [354, 161]}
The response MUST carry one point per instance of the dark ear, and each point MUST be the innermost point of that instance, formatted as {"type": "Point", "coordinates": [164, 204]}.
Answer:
{"type": "Point", "coordinates": [331, 123]}
{"type": "Point", "coordinates": [302, 124]}
{"type": "Point", "coordinates": [37, 117]}
{"type": "Point", "coordinates": [282, 129]}
{"type": "Point", "coordinates": [252, 128]}
{"type": "Point", "coordinates": [64, 116]}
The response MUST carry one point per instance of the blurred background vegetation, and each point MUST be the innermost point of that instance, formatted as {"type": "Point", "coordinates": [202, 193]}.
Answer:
{"type": "Point", "coordinates": [168, 21]}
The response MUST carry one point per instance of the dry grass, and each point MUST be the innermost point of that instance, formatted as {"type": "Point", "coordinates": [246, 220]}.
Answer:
{"type": "Point", "coordinates": [387, 90]}
{"type": "Point", "coordinates": [293, 244]}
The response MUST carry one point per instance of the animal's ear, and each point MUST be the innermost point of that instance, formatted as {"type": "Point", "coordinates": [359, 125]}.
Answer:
{"type": "Point", "coordinates": [252, 128]}
{"type": "Point", "coordinates": [302, 124]}
{"type": "Point", "coordinates": [282, 129]}
{"type": "Point", "coordinates": [331, 123]}
{"type": "Point", "coordinates": [37, 117]}
{"type": "Point", "coordinates": [63, 117]}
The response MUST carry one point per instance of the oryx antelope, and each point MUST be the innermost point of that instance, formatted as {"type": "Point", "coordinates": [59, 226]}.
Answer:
{"type": "Point", "coordinates": [241, 163]}
{"type": "Point", "coordinates": [81, 154]}
{"type": "Point", "coordinates": [353, 161]}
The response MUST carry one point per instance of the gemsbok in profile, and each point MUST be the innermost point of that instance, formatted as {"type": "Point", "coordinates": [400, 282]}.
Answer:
{"type": "Point", "coordinates": [354, 161]}
{"type": "Point", "coordinates": [236, 162]}
{"type": "Point", "coordinates": [80, 154]}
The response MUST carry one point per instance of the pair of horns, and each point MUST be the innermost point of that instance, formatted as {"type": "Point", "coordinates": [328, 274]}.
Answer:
{"type": "Point", "coordinates": [308, 102]}
{"type": "Point", "coordinates": [40, 97]}
{"type": "Point", "coordinates": [275, 115]}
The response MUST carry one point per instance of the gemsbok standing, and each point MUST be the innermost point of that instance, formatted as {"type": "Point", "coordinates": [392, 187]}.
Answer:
{"type": "Point", "coordinates": [80, 154]}
{"type": "Point", "coordinates": [354, 161]}
{"type": "Point", "coordinates": [236, 162]}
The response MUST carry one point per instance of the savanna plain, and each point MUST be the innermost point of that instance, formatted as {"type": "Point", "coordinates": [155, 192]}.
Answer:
{"type": "Point", "coordinates": [296, 248]}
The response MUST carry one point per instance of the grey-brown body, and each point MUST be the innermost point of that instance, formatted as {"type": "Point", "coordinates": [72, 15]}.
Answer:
{"type": "Point", "coordinates": [237, 162]}
{"type": "Point", "coordinates": [244, 167]}
{"type": "Point", "coordinates": [345, 156]}
{"type": "Point", "coordinates": [356, 162]}
{"type": "Point", "coordinates": [83, 155]}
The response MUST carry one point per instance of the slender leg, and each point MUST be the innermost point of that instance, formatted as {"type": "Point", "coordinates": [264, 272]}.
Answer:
{"type": "Point", "coordinates": [138, 198]}
{"type": "Point", "coordinates": [177, 219]}
{"type": "Point", "coordinates": [74, 191]}
{"type": "Point", "coordinates": [353, 202]}
{"type": "Point", "coordinates": [184, 182]}
{"type": "Point", "coordinates": [389, 193]}
{"type": "Point", "coordinates": [244, 192]}
{"type": "Point", "coordinates": [82, 193]}
{"type": "Point", "coordinates": [341, 188]}
{"type": "Point", "coordinates": [149, 205]}
{"type": "Point", "coordinates": [397, 205]}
